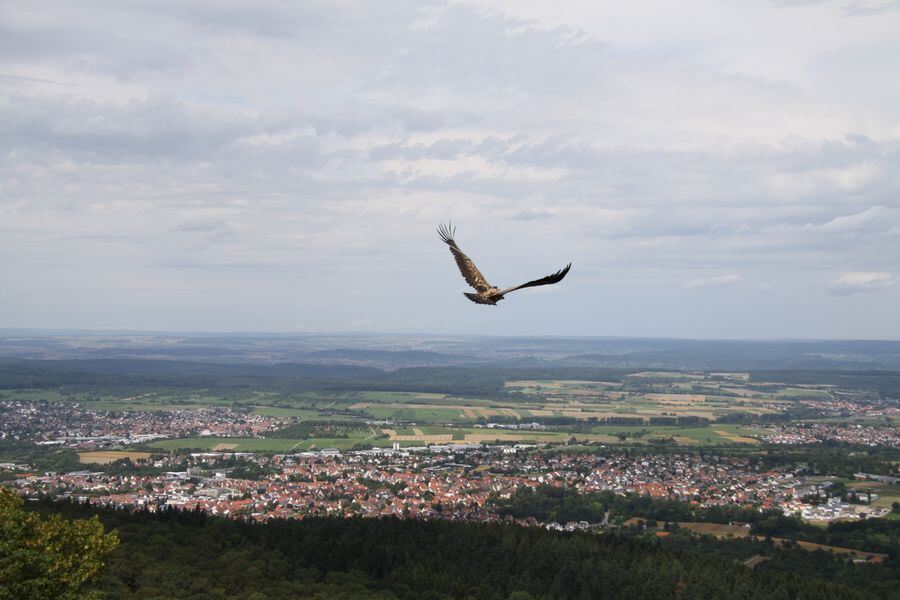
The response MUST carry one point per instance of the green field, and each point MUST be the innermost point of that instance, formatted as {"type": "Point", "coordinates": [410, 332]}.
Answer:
{"type": "Point", "coordinates": [35, 395]}
{"type": "Point", "coordinates": [258, 444]}
{"type": "Point", "coordinates": [646, 395]}
{"type": "Point", "coordinates": [887, 493]}
{"type": "Point", "coordinates": [139, 402]}
{"type": "Point", "coordinates": [416, 415]}
{"type": "Point", "coordinates": [703, 436]}
{"type": "Point", "coordinates": [286, 413]}
{"type": "Point", "coordinates": [393, 397]}
{"type": "Point", "coordinates": [797, 393]}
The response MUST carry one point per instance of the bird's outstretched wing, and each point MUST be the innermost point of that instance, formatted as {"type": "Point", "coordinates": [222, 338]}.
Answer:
{"type": "Point", "coordinates": [548, 280]}
{"type": "Point", "coordinates": [468, 269]}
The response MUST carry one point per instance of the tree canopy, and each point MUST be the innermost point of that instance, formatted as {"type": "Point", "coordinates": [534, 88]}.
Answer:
{"type": "Point", "coordinates": [49, 557]}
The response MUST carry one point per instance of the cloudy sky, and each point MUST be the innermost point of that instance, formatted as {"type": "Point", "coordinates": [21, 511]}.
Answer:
{"type": "Point", "coordinates": [713, 169]}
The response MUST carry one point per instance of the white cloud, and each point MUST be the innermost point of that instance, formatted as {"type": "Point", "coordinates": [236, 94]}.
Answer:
{"type": "Point", "coordinates": [720, 281]}
{"type": "Point", "coordinates": [216, 148]}
{"type": "Point", "coordinates": [860, 281]}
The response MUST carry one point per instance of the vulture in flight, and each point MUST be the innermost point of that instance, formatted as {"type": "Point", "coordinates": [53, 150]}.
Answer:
{"type": "Point", "coordinates": [487, 293]}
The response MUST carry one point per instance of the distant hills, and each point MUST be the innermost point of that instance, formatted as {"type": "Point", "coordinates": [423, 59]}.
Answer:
{"type": "Point", "coordinates": [391, 352]}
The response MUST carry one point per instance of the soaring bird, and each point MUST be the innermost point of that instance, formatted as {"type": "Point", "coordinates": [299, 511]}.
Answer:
{"type": "Point", "coordinates": [487, 293]}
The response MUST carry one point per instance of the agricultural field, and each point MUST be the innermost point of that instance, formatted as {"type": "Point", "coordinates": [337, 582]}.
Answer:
{"type": "Point", "coordinates": [105, 401]}
{"type": "Point", "coordinates": [648, 395]}
{"type": "Point", "coordinates": [286, 413]}
{"type": "Point", "coordinates": [254, 444]}
{"type": "Point", "coordinates": [104, 457]}
{"type": "Point", "coordinates": [684, 436]}
{"type": "Point", "coordinates": [650, 407]}
{"type": "Point", "coordinates": [474, 435]}
{"type": "Point", "coordinates": [415, 413]}
{"type": "Point", "coordinates": [736, 531]}
{"type": "Point", "coordinates": [30, 395]}
{"type": "Point", "coordinates": [806, 393]}
{"type": "Point", "coordinates": [887, 493]}
{"type": "Point", "coordinates": [641, 397]}
{"type": "Point", "coordinates": [266, 403]}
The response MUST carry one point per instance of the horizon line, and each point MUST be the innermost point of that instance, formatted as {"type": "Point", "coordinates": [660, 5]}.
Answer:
{"type": "Point", "coordinates": [130, 331]}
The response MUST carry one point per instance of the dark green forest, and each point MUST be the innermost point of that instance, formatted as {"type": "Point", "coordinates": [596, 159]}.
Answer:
{"type": "Point", "coordinates": [111, 375]}
{"type": "Point", "coordinates": [875, 535]}
{"type": "Point", "coordinates": [134, 375]}
{"type": "Point", "coordinates": [192, 555]}
{"type": "Point", "coordinates": [549, 503]}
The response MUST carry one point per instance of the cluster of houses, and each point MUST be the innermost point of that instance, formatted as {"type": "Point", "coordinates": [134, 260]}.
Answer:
{"type": "Point", "coordinates": [514, 426]}
{"type": "Point", "coordinates": [814, 433]}
{"type": "Point", "coordinates": [838, 405]}
{"type": "Point", "coordinates": [833, 508]}
{"type": "Point", "coordinates": [71, 424]}
{"type": "Point", "coordinates": [453, 481]}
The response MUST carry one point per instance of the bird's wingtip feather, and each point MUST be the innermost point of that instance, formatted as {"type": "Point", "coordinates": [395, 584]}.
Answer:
{"type": "Point", "coordinates": [446, 231]}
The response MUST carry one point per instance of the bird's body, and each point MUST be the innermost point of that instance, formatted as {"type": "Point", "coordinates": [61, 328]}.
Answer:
{"type": "Point", "coordinates": [492, 297]}
{"type": "Point", "coordinates": [485, 292]}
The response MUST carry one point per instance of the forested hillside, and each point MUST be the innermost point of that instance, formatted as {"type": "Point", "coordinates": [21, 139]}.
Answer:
{"type": "Point", "coordinates": [190, 555]}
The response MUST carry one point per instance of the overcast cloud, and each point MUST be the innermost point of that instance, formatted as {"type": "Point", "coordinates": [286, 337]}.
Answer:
{"type": "Point", "coordinates": [712, 168]}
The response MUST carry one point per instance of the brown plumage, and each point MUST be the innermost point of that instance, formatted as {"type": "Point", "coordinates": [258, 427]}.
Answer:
{"type": "Point", "coordinates": [487, 293]}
